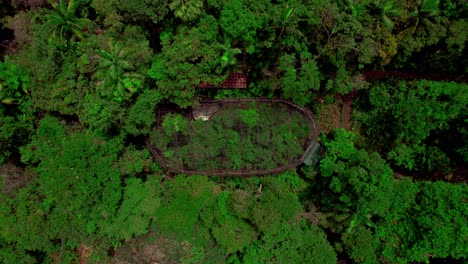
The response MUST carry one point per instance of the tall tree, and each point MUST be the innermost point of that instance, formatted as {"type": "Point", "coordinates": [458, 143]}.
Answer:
{"type": "Point", "coordinates": [353, 183]}
{"type": "Point", "coordinates": [116, 76]}
{"type": "Point", "coordinates": [425, 12]}
{"type": "Point", "coordinates": [387, 10]}
{"type": "Point", "coordinates": [427, 220]}
{"type": "Point", "coordinates": [187, 58]}
{"type": "Point", "coordinates": [291, 243]}
{"type": "Point", "coordinates": [404, 115]}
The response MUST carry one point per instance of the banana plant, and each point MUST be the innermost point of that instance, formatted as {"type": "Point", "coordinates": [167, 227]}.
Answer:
{"type": "Point", "coordinates": [62, 21]}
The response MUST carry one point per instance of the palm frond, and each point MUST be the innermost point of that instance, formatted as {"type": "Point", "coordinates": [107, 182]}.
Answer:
{"type": "Point", "coordinates": [387, 22]}
{"type": "Point", "coordinates": [63, 8]}
{"type": "Point", "coordinates": [73, 6]}
{"type": "Point", "coordinates": [186, 10]}
{"type": "Point", "coordinates": [430, 5]}
{"type": "Point", "coordinates": [62, 18]}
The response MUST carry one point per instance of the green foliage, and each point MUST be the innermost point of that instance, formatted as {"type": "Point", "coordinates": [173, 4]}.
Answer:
{"type": "Point", "coordinates": [14, 132]}
{"type": "Point", "coordinates": [354, 184]}
{"type": "Point", "coordinates": [134, 161]}
{"type": "Point", "coordinates": [462, 149]}
{"type": "Point", "coordinates": [142, 11]}
{"type": "Point", "coordinates": [22, 223]}
{"type": "Point", "coordinates": [291, 243]}
{"type": "Point", "coordinates": [14, 83]}
{"type": "Point", "coordinates": [387, 10]}
{"type": "Point", "coordinates": [425, 10]}
{"type": "Point", "coordinates": [361, 245]}
{"type": "Point", "coordinates": [187, 10]}
{"type": "Point", "coordinates": [48, 137]}
{"type": "Point", "coordinates": [428, 220]}
{"type": "Point", "coordinates": [57, 83]}
{"type": "Point", "coordinates": [62, 21]}
{"type": "Point", "coordinates": [229, 231]}
{"type": "Point", "coordinates": [412, 112]}
{"type": "Point", "coordinates": [82, 165]}
{"type": "Point", "coordinates": [299, 86]}
{"type": "Point", "coordinates": [141, 115]}
{"type": "Point", "coordinates": [173, 123]}
{"type": "Point", "coordinates": [228, 58]}
{"type": "Point", "coordinates": [276, 205]}
{"type": "Point", "coordinates": [250, 117]}
{"type": "Point", "coordinates": [100, 114]}
{"type": "Point", "coordinates": [15, 112]}
{"type": "Point", "coordinates": [78, 195]}
{"type": "Point", "coordinates": [287, 18]}
{"type": "Point", "coordinates": [116, 78]}
{"type": "Point", "coordinates": [14, 255]}
{"type": "Point", "coordinates": [428, 27]}
{"type": "Point", "coordinates": [138, 209]}
{"type": "Point", "coordinates": [453, 9]}
{"type": "Point", "coordinates": [83, 179]}
{"type": "Point", "coordinates": [239, 23]}
{"type": "Point", "coordinates": [182, 202]}
{"type": "Point", "coordinates": [187, 58]}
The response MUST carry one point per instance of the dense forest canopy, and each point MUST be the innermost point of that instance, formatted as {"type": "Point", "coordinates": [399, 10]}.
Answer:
{"type": "Point", "coordinates": [81, 82]}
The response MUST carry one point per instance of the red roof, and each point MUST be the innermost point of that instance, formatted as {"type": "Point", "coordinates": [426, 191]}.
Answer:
{"type": "Point", "coordinates": [235, 80]}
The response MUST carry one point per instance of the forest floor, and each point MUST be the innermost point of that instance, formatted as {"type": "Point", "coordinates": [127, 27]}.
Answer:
{"type": "Point", "coordinates": [346, 110]}
{"type": "Point", "coordinates": [151, 248]}
{"type": "Point", "coordinates": [335, 115]}
{"type": "Point", "coordinates": [408, 75]}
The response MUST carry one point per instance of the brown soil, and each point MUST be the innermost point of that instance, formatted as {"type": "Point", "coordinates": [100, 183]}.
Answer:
{"type": "Point", "coordinates": [336, 115]}
{"type": "Point", "coordinates": [12, 178]}
{"type": "Point", "coordinates": [346, 110]}
{"type": "Point", "coordinates": [84, 253]}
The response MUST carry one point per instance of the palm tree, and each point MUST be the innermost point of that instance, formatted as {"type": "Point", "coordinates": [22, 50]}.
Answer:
{"type": "Point", "coordinates": [287, 20]}
{"type": "Point", "coordinates": [387, 11]}
{"type": "Point", "coordinates": [350, 5]}
{"type": "Point", "coordinates": [187, 10]}
{"type": "Point", "coordinates": [289, 23]}
{"type": "Point", "coordinates": [62, 20]}
{"type": "Point", "coordinates": [116, 72]}
{"type": "Point", "coordinates": [425, 12]}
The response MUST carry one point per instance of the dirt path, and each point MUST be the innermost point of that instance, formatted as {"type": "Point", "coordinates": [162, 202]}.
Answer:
{"type": "Point", "coordinates": [382, 75]}
{"type": "Point", "coordinates": [347, 103]}
{"type": "Point", "coordinates": [346, 114]}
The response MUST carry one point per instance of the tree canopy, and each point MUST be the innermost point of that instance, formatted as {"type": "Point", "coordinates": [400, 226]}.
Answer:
{"type": "Point", "coordinates": [88, 88]}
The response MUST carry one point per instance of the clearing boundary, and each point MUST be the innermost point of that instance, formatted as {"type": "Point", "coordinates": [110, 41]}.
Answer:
{"type": "Point", "coordinates": [312, 136]}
